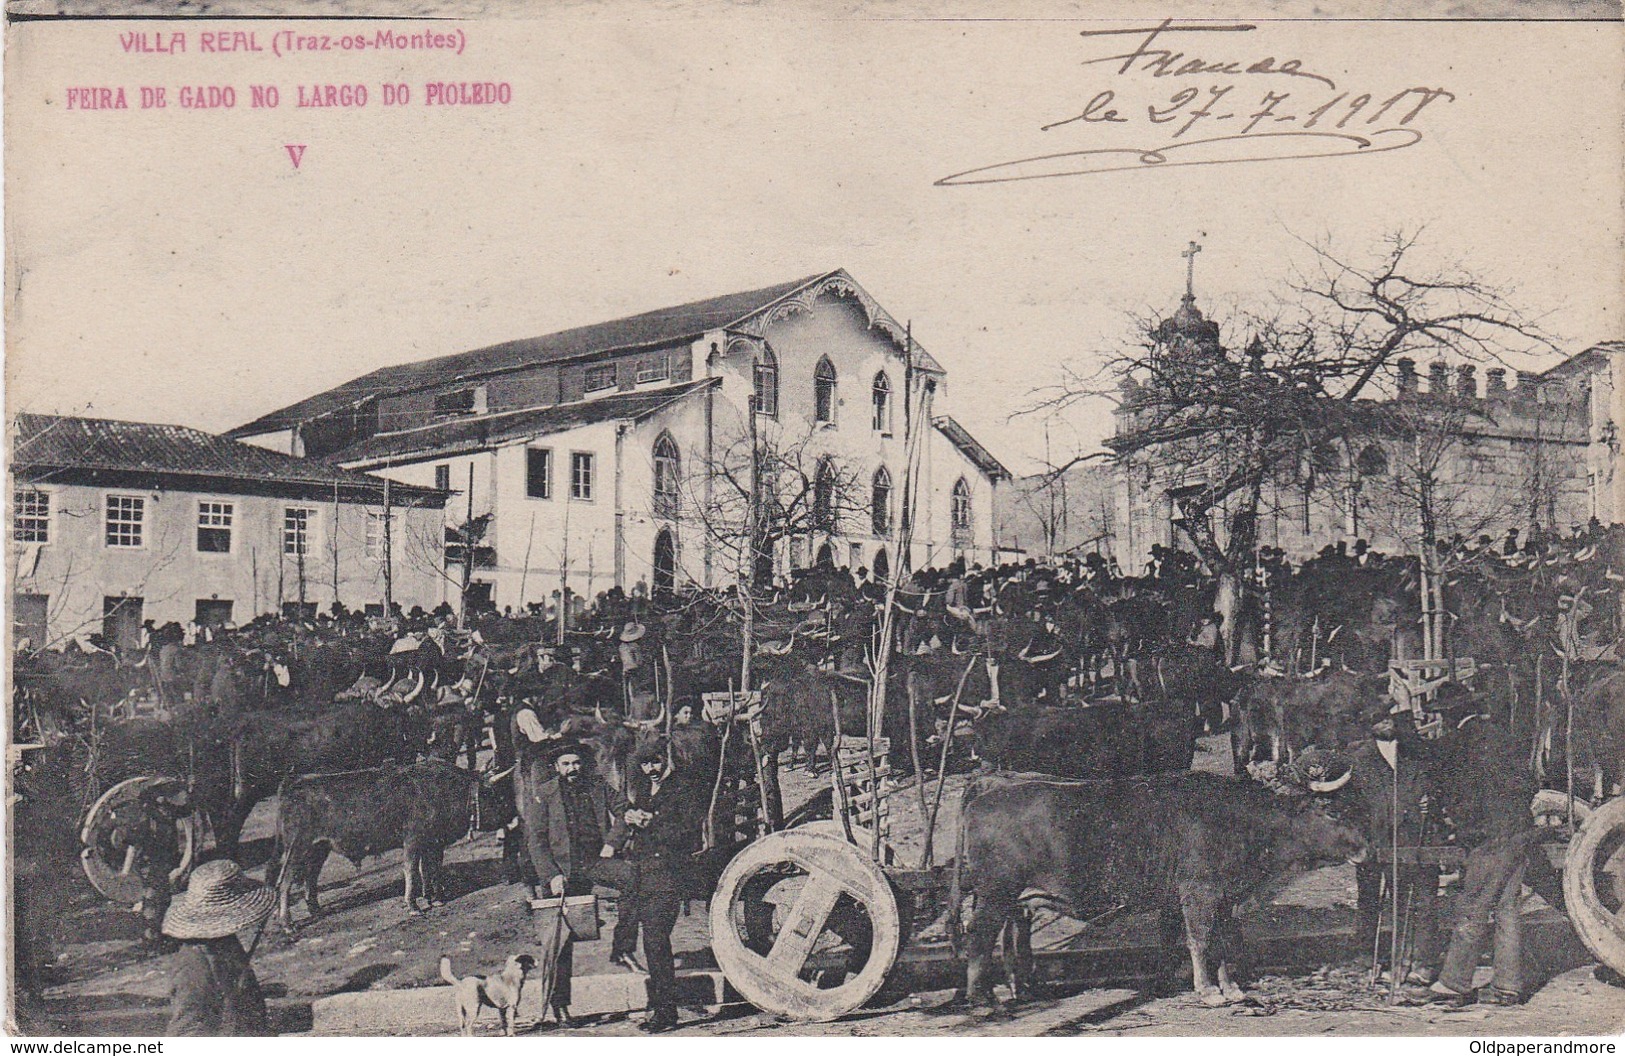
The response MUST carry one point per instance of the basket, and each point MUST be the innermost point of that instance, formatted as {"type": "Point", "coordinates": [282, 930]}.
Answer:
{"type": "Point", "coordinates": [580, 916]}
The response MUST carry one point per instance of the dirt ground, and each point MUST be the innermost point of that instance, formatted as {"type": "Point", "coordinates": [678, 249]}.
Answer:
{"type": "Point", "coordinates": [103, 982]}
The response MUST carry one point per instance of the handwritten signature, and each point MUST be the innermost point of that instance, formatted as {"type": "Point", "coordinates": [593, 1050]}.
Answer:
{"type": "Point", "coordinates": [1220, 150]}
{"type": "Point", "coordinates": [1257, 136]}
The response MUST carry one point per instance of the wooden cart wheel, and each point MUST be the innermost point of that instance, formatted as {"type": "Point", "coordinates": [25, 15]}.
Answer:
{"type": "Point", "coordinates": [831, 942]}
{"type": "Point", "coordinates": [107, 876]}
{"type": "Point", "coordinates": [1594, 883]}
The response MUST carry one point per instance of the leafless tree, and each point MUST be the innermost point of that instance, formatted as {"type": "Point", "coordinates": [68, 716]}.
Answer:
{"type": "Point", "coordinates": [797, 493]}
{"type": "Point", "coordinates": [1212, 425]}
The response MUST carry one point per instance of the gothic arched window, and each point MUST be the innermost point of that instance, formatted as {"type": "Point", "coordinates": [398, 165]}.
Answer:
{"type": "Point", "coordinates": [882, 403]}
{"type": "Point", "coordinates": [668, 468]}
{"type": "Point", "coordinates": [823, 508]}
{"type": "Point", "coordinates": [961, 513]}
{"type": "Point", "coordinates": [767, 383]}
{"type": "Point", "coordinates": [824, 391]}
{"type": "Point", "coordinates": [880, 502]}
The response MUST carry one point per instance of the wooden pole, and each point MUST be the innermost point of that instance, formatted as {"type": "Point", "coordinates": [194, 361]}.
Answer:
{"type": "Point", "coordinates": [389, 554]}
{"type": "Point", "coordinates": [335, 546]}
{"type": "Point", "coordinates": [942, 764]}
{"type": "Point", "coordinates": [914, 751]}
{"type": "Point", "coordinates": [524, 573]}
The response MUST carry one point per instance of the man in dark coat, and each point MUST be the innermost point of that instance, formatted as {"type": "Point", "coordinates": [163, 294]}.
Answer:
{"type": "Point", "coordinates": [574, 828]}
{"type": "Point", "coordinates": [214, 992]}
{"type": "Point", "coordinates": [1384, 771]}
{"type": "Point", "coordinates": [666, 808]}
{"type": "Point", "coordinates": [1485, 787]}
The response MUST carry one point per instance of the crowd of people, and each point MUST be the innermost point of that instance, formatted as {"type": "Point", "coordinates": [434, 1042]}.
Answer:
{"type": "Point", "coordinates": [575, 830]}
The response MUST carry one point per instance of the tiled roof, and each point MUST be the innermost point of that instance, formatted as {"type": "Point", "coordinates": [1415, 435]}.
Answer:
{"type": "Point", "coordinates": [463, 435]}
{"type": "Point", "coordinates": [664, 326]}
{"type": "Point", "coordinates": [981, 456]}
{"type": "Point", "coordinates": [48, 442]}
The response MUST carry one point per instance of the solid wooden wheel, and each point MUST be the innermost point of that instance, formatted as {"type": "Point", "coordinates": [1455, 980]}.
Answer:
{"type": "Point", "coordinates": [804, 925]}
{"type": "Point", "coordinates": [108, 876]}
{"type": "Point", "coordinates": [1594, 883]}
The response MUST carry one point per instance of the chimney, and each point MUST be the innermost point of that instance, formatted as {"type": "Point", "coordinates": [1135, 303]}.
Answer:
{"type": "Point", "coordinates": [1438, 378]}
{"type": "Point", "coordinates": [1466, 385]}
{"type": "Point", "coordinates": [1527, 385]}
{"type": "Point", "coordinates": [1495, 383]}
{"type": "Point", "coordinates": [1407, 377]}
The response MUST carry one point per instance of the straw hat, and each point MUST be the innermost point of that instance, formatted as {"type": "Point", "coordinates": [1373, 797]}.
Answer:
{"type": "Point", "coordinates": [219, 901]}
{"type": "Point", "coordinates": [632, 632]}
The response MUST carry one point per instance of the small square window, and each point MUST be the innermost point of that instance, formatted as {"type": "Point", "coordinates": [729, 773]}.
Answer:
{"type": "Point", "coordinates": [126, 521]}
{"type": "Point", "coordinates": [214, 527]}
{"type": "Point", "coordinates": [581, 473]}
{"type": "Point", "coordinates": [31, 516]}
{"type": "Point", "coordinates": [600, 377]}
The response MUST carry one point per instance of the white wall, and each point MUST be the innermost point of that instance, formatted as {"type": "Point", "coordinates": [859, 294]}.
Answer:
{"type": "Point", "coordinates": [76, 570]}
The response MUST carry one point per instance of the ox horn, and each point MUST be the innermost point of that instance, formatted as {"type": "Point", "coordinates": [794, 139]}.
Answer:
{"type": "Point", "coordinates": [1330, 786]}
{"type": "Point", "coordinates": [598, 713]}
{"type": "Point", "coordinates": [491, 779]}
{"type": "Point", "coordinates": [410, 697]}
{"type": "Point", "coordinates": [649, 724]}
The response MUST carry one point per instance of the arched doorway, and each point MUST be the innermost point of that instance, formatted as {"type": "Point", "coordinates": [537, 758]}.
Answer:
{"type": "Point", "coordinates": [882, 566]}
{"type": "Point", "coordinates": [665, 562]}
{"type": "Point", "coordinates": [826, 557]}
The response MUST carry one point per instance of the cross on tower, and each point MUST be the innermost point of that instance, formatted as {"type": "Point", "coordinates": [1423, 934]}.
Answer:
{"type": "Point", "coordinates": [1190, 270]}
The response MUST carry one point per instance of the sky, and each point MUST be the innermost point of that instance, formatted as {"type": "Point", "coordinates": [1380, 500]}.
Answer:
{"type": "Point", "coordinates": [173, 265]}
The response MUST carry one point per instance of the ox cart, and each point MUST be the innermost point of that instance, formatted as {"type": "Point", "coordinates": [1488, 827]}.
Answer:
{"type": "Point", "coordinates": [812, 922]}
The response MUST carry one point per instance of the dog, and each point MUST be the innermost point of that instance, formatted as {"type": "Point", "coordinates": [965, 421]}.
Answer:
{"type": "Point", "coordinates": [501, 992]}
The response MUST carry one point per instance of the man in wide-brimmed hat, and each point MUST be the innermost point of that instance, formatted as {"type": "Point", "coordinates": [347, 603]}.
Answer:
{"type": "Point", "coordinates": [665, 811]}
{"type": "Point", "coordinates": [215, 992]}
{"type": "Point", "coordinates": [573, 827]}
{"type": "Point", "coordinates": [1484, 787]}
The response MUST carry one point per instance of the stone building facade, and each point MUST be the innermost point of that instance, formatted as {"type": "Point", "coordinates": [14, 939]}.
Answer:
{"type": "Point", "coordinates": [117, 523]}
{"type": "Point", "coordinates": [599, 457]}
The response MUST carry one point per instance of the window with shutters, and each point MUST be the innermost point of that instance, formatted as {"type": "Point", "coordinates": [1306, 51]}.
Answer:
{"type": "Point", "coordinates": [539, 473]}
{"type": "Point", "coordinates": [600, 377]}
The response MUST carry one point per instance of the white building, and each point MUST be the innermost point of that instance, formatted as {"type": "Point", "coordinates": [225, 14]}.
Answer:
{"type": "Point", "coordinates": [601, 454]}
{"type": "Point", "coordinates": [118, 523]}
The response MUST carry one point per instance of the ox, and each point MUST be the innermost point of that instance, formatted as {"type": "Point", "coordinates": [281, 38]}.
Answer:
{"type": "Point", "coordinates": [268, 747]}
{"type": "Point", "coordinates": [422, 809]}
{"type": "Point", "coordinates": [1101, 740]}
{"type": "Point", "coordinates": [1189, 846]}
{"type": "Point", "coordinates": [1288, 714]}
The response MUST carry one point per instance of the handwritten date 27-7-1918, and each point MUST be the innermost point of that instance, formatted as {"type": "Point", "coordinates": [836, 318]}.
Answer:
{"type": "Point", "coordinates": [1189, 107]}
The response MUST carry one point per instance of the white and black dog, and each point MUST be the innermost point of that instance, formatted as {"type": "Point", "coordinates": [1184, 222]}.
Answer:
{"type": "Point", "coordinates": [501, 992]}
